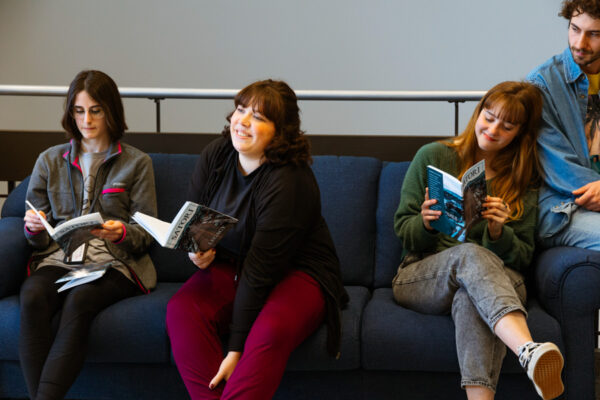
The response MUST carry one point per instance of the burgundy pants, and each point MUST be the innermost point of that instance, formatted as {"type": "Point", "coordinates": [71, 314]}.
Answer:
{"type": "Point", "coordinates": [200, 313]}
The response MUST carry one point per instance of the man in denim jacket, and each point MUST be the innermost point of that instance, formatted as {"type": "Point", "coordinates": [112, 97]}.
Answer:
{"type": "Point", "coordinates": [569, 139]}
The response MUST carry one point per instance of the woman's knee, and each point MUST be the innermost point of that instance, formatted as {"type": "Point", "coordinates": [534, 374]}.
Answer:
{"type": "Point", "coordinates": [188, 309]}
{"type": "Point", "coordinates": [476, 256]}
{"type": "Point", "coordinates": [34, 294]}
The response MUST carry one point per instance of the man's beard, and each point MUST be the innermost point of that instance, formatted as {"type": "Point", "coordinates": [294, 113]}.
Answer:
{"type": "Point", "coordinates": [589, 57]}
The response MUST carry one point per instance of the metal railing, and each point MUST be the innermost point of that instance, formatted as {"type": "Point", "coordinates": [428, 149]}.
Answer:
{"type": "Point", "coordinates": [159, 94]}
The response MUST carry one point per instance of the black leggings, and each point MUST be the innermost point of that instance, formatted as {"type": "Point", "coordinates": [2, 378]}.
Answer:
{"type": "Point", "coordinates": [51, 357]}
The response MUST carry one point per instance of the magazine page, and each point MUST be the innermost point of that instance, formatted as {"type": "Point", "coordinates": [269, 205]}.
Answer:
{"type": "Point", "coordinates": [84, 270]}
{"type": "Point", "coordinates": [83, 274]}
{"type": "Point", "coordinates": [474, 193]}
{"type": "Point", "coordinates": [80, 281]}
{"type": "Point", "coordinates": [446, 189]}
{"type": "Point", "coordinates": [198, 228]}
{"type": "Point", "coordinates": [83, 222]}
{"type": "Point", "coordinates": [154, 226]}
{"type": "Point", "coordinates": [71, 234]}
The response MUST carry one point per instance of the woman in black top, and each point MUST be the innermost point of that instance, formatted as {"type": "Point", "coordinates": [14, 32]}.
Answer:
{"type": "Point", "coordinates": [275, 277]}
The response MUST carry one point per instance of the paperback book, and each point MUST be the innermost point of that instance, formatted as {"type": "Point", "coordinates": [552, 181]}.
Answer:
{"type": "Point", "coordinates": [461, 202]}
{"type": "Point", "coordinates": [83, 274]}
{"type": "Point", "coordinates": [194, 228]}
{"type": "Point", "coordinates": [71, 235]}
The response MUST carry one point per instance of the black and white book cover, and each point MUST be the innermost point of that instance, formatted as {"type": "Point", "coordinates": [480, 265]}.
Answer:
{"type": "Point", "coordinates": [194, 228]}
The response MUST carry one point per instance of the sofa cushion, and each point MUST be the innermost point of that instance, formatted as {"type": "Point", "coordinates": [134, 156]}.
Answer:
{"type": "Point", "coordinates": [9, 328]}
{"type": "Point", "coordinates": [14, 205]}
{"type": "Point", "coordinates": [348, 188]}
{"type": "Point", "coordinates": [133, 330]}
{"type": "Point", "coordinates": [14, 254]}
{"type": "Point", "coordinates": [312, 354]}
{"type": "Point", "coordinates": [395, 338]}
{"type": "Point", "coordinates": [388, 247]}
{"type": "Point", "coordinates": [172, 173]}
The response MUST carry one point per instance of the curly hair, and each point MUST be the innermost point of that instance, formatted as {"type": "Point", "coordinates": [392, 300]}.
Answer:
{"type": "Point", "coordinates": [576, 7]}
{"type": "Point", "coordinates": [277, 102]}
{"type": "Point", "coordinates": [104, 90]}
{"type": "Point", "coordinates": [517, 165]}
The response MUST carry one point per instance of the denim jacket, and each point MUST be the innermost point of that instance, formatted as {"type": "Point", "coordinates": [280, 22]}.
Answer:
{"type": "Point", "coordinates": [562, 143]}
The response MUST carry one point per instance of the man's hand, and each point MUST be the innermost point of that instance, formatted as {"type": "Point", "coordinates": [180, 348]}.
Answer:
{"type": "Point", "coordinates": [588, 196]}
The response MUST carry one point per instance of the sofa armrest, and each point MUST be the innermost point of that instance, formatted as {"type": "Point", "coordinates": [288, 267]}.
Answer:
{"type": "Point", "coordinates": [567, 280]}
{"type": "Point", "coordinates": [14, 254]}
{"type": "Point", "coordinates": [568, 286]}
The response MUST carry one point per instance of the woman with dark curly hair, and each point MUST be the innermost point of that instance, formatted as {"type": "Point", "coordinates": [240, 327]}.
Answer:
{"type": "Point", "coordinates": [275, 277]}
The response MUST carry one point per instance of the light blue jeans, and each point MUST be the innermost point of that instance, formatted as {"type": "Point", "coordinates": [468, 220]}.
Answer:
{"type": "Point", "coordinates": [472, 284]}
{"type": "Point", "coordinates": [583, 230]}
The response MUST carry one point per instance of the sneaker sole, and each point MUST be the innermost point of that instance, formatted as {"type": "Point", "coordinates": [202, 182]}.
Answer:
{"type": "Point", "coordinates": [547, 375]}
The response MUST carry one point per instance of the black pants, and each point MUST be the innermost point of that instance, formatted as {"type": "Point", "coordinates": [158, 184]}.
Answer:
{"type": "Point", "coordinates": [52, 356]}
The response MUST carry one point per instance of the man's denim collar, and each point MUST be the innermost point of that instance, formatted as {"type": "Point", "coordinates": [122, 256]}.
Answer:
{"type": "Point", "coordinates": [572, 70]}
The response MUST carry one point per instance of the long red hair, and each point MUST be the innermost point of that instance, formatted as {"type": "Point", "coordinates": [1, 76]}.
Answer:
{"type": "Point", "coordinates": [517, 165]}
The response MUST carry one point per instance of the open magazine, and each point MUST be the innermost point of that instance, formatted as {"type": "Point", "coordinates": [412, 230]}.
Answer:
{"type": "Point", "coordinates": [461, 202]}
{"type": "Point", "coordinates": [83, 274]}
{"type": "Point", "coordinates": [194, 228]}
{"type": "Point", "coordinates": [72, 234]}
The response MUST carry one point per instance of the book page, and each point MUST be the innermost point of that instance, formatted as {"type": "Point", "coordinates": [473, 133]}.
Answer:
{"type": "Point", "coordinates": [88, 221]}
{"type": "Point", "coordinates": [80, 281]}
{"type": "Point", "coordinates": [83, 274]}
{"type": "Point", "coordinates": [71, 234]}
{"type": "Point", "coordinates": [84, 270]}
{"type": "Point", "coordinates": [154, 226]}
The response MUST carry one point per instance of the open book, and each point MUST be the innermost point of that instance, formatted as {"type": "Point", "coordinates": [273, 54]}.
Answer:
{"type": "Point", "coordinates": [461, 202]}
{"type": "Point", "coordinates": [83, 274]}
{"type": "Point", "coordinates": [194, 228]}
{"type": "Point", "coordinates": [71, 234]}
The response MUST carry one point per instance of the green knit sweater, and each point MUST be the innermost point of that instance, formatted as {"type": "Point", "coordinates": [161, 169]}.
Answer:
{"type": "Point", "coordinates": [516, 244]}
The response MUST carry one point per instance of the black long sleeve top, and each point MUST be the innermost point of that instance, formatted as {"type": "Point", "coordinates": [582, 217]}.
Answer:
{"type": "Point", "coordinates": [280, 228]}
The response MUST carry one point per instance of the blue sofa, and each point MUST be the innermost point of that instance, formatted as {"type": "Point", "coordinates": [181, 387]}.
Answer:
{"type": "Point", "coordinates": [388, 352]}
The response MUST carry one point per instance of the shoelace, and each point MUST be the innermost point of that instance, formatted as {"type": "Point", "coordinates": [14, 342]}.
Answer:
{"type": "Point", "coordinates": [525, 352]}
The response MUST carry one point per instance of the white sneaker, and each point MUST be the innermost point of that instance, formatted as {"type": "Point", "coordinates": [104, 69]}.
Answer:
{"type": "Point", "coordinates": [543, 363]}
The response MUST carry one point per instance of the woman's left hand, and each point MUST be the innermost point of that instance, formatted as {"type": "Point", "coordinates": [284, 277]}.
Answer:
{"type": "Point", "coordinates": [496, 213]}
{"type": "Point", "coordinates": [111, 230]}
{"type": "Point", "coordinates": [226, 369]}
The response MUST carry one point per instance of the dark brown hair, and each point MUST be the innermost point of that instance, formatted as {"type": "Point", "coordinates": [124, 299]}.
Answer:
{"type": "Point", "coordinates": [517, 165]}
{"type": "Point", "coordinates": [572, 8]}
{"type": "Point", "coordinates": [277, 102]}
{"type": "Point", "coordinates": [104, 90]}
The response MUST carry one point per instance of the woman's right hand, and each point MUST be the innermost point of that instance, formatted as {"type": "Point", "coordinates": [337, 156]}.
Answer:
{"type": "Point", "coordinates": [203, 259]}
{"type": "Point", "coordinates": [427, 213]}
{"type": "Point", "coordinates": [32, 221]}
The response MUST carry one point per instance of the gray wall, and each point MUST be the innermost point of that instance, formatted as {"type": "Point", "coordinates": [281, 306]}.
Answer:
{"type": "Point", "coordinates": [312, 44]}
